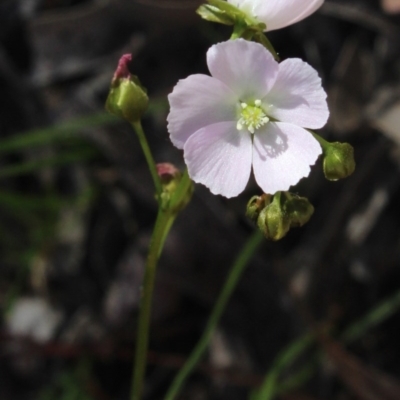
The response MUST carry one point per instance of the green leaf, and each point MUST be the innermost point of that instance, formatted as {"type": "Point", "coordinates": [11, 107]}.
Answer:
{"type": "Point", "coordinates": [32, 166]}
{"type": "Point", "coordinates": [61, 132]}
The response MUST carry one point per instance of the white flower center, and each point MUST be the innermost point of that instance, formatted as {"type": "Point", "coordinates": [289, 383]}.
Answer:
{"type": "Point", "coordinates": [252, 116]}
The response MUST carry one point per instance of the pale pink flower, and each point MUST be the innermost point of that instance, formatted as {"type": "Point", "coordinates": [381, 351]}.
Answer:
{"type": "Point", "coordinates": [252, 111]}
{"type": "Point", "coordinates": [277, 14]}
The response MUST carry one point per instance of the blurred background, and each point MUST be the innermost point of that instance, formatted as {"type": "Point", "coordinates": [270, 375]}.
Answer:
{"type": "Point", "coordinates": [77, 210]}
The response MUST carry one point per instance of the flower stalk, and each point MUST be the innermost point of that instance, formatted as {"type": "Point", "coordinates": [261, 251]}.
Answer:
{"type": "Point", "coordinates": [230, 285]}
{"type": "Point", "coordinates": [167, 212]}
{"type": "Point", "coordinates": [137, 126]}
{"type": "Point", "coordinates": [338, 162]}
{"type": "Point", "coordinates": [259, 37]}
{"type": "Point", "coordinates": [162, 226]}
{"type": "Point", "coordinates": [128, 100]}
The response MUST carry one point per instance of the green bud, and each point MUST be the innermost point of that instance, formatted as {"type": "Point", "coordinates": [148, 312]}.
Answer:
{"type": "Point", "coordinates": [177, 188]}
{"type": "Point", "coordinates": [299, 209]}
{"type": "Point", "coordinates": [256, 204]}
{"type": "Point", "coordinates": [170, 176]}
{"type": "Point", "coordinates": [273, 220]}
{"type": "Point", "coordinates": [338, 160]}
{"type": "Point", "coordinates": [127, 98]}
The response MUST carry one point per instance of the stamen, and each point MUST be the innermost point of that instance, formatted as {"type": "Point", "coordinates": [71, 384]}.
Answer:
{"type": "Point", "coordinates": [252, 116]}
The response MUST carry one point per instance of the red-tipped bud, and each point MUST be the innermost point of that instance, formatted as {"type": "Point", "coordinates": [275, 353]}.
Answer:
{"type": "Point", "coordinates": [127, 98]}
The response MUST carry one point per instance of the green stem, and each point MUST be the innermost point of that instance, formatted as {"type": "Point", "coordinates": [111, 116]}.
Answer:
{"type": "Point", "coordinates": [177, 198]}
{"type": "Point", "coordinates": [163, 224]}
{"type": "Point", "coordinates": [62, 132]}
{"type": "Point", "coordinates": [355, 331]}
{"type": "Point", "coordinates": [236, 272]}
{"type": "Point", "coordinates": [239, 30]}
{"type": "Point", "coordinates": [377, 315]}
{"type": "Point", "coordinates": [137, 126]}
{"type": "Point", "coordinates": [266, 42]}
{"type": "Point", "coordinates": [33, 166]}
{"type": "Point", "coordinates": [286, 358]}
{"type": "Point", "coordinates": [324, 143]}
{"type": "Point", "coordinates": [297, 380]}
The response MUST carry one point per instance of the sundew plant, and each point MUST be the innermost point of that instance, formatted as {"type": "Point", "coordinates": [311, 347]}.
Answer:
{"type": "Point", "coordinates": [253, 114]}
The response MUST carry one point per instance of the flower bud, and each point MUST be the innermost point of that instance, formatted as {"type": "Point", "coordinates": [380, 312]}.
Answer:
{"type": "Point", "coordinates": [172, 180]}
{"type": "Point", "coordinates": [273, 220]}
{"type": "Point", "coordinates": [299, 209]}
{"type": "Point", "coordinates": [256, 204]}
{"type": "Point", "coordinates": [338, 160]}
{"type": "Point", "coordinates": [170, 176]}
{"type": "Point", "coordinates": [126, 99]}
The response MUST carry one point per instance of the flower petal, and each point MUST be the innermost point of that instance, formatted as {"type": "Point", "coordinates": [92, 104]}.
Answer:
{"type": "Point", "coordinates": [297, 96]}
{"type": "Point", "coordinates": [219, 157]}
{"type": "Point", "coordinates": [282, 155]}
{"type": "Point", "coordinates": [198, 101]}
{"type": "Point", "coordinates": [245, 67]}
{"type": "Point", "coordinates": [277, 14]}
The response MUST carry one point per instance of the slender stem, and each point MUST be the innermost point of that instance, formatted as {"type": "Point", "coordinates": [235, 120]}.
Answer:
{"type": "Point", "coordinates": [238, 30]}
{"type": "Point", "coordinates": [163, 224]}
{"type": "Point", "coordinates": [355, 331]}
{"type": "Point", "coordinates": [137, 126]}
{"type": "Point", "coordinates": [286, 358]}
{"type": "Point", "coordinates": [320, 140]}
{"type": "Point", "coordinates": [270, 47]}
{"type": "Point", "coordinates": [297, 380]}
{"type": "Point", "coordinates": [377, 315]}
{"type": "Point", "coordinates": [236, 272]}
{"type": "Point", "coordinates": [242, 31]}
{"type": "Point", "coordinates": [176, 201]}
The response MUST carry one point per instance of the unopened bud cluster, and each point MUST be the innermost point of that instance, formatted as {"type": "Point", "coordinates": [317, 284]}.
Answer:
{"type": "Point", "coordinates": [275, 215]}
